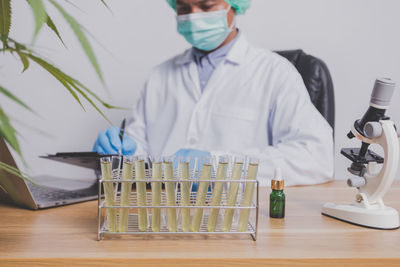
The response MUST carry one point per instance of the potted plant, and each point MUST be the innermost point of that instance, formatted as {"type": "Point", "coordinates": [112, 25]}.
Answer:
{"type": "Point", "coordinates": [28, 55]}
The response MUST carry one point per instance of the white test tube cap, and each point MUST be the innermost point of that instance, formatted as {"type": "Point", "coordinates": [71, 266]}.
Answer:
{"type": "Point", "coordinates": [254, 161]}
{"type": "Point", "coordinates": [128, 159]}
{"type": "Point", "coordinates": [156, 159]}
{"type": "Point", "coordinates": [105, 160]}
{"type": "Point", "coordinates": [239, 159]}
{"type": "Point", "coordinates": [140, 158]}
{"type": "Point", "coordinates": [184, 159]}
{"type": "Point", "coordinates": [224, 159]}
{"type": "Point", "coordinates": [278, 174]}
{"type": "Point", "coordinates": [168, 159]}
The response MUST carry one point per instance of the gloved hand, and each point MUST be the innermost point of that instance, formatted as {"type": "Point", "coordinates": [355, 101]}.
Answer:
{"type": "Point", "coordinates": [192, 153]}
{"type": "Point", "coordinates": [108, 142]}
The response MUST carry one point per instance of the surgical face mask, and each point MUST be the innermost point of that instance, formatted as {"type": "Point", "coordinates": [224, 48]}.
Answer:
{"type": "Point", "coordinates": [206, 30]}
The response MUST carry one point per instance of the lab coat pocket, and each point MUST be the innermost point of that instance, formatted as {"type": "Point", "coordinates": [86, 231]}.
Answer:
{"type": "Point", "coordinates": [233, 128]}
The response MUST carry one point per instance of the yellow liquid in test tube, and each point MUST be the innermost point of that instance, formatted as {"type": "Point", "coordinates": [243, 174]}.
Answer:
{"type": "Point", "coordinates": [248, 197]}
{"type": "Point", "coordinates": [170, 190]}
{"type": "Point", "coordinates": [106, 172]}
{"type": "Point", "coordinates": [232, 196]}
{"type": "Point", "coordinates": [156, 196]}
{"type": "Point", "coordinates": [217, 195]}
{"type": "Point", "coordinates": [127, 175]}
{"type": "Point", "coordinates": [185, 195]}
{"type": "Point", "coordinates": [201, 197]}
{"type": "Point", "coordinates": [141, 193]}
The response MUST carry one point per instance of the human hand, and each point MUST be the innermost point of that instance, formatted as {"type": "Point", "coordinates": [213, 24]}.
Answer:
{"type": "Point", "coordinates": [108, 142]}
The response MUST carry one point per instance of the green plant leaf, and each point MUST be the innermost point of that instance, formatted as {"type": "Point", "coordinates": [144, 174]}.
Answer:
{"type": "Point", "coordinates": [90, 101]}
{"type": "Point", "coordinates": [105, 104]}
{"type": "Point", "coordinates": [69, 82]}
{"type": "Point", "coordinates": [8, 132]}
{"type": "Point", "coordinates": [24, 61]}
{"type": "Point", "coordinates": [75, 6]}
{"type": "Point", "coordinates": [55, 72]}
{"type": "Point", "coordinates": [16, 172]}
{"type": "Point", "coordinates": [5, 19]}
{"type": "Point", "coordinates": [52, 26]}
{"type": "Point", "coordinates": [39, 11]}
{"type": "Point", "coordinates": [77, 28]}
{"type": "Point", "coordinates": [28, 126]}
{"type": "Point", "coordinates": [8, 94]}
{"type": "Point", "coordinates": [18, 46]}
{"type": "Point", "coordinates": [2, 188]}
{"type": "Point", "coordinates": [105, 4]}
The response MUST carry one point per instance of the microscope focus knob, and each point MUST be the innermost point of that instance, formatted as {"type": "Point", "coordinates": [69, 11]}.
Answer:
{"type": "Point", "coordinates": [373, 129]}
{"type": "Point", "coordinates": [356, 182]}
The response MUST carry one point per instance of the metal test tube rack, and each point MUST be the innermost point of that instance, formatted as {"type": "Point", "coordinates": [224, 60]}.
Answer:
{"type": "Point", "coordinates": [133, 226]}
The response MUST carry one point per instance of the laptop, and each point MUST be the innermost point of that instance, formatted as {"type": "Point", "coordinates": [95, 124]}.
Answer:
{"type": "Point", "coordinates": [48, 192]}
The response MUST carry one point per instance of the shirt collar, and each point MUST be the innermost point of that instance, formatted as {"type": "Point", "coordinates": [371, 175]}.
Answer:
{"type": "Point", "coordinates": [236, 52]}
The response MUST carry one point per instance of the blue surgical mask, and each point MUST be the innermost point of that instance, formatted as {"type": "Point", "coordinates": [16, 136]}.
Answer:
{"type": "Point", "coordinates": [206, 30]}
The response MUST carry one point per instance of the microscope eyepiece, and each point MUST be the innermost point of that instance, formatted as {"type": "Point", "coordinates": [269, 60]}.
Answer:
{"type": "Point", "coordinates": [380, 100]}
{"type": "Point", "coordinates": [382, 93]}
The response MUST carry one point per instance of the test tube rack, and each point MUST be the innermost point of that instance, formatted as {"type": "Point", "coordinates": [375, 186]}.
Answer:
{"type": "Point", "coordinates": [133, 207]}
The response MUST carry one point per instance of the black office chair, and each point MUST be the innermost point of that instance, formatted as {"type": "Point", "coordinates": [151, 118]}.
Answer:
{"type": "Point", "coordinates": [318, 81]}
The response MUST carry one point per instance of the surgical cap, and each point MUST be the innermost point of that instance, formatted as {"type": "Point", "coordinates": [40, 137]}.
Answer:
{"type": "Point", "coordinates": [240, 6]}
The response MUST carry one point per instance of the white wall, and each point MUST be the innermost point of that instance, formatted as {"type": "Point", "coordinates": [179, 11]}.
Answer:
{"type": "Point", "coordinates": [358, 39]}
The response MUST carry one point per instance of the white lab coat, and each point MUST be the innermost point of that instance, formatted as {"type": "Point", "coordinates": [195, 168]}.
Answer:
{"type": "Point", "coordinates": [255, 103]}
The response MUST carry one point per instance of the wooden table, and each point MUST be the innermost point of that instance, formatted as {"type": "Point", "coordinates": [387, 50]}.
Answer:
{"type": "Point", "coordinates": [67, 236]}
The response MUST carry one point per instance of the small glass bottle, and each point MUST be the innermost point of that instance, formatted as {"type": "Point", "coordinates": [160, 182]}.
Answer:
{"type": "Point", "coordinates": [277, 196]}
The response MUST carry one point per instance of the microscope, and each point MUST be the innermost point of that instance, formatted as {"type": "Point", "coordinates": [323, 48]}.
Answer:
{"type": "Point", "coordinates": [373, 175]}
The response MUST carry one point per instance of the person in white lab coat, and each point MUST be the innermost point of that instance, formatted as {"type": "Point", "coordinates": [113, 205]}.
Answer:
{"type": "Point", "coordinates": [225, 96]}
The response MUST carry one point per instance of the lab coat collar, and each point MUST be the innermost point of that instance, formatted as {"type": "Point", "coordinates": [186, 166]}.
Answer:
{"type": "Point", "coordinates": [185, 58]}
{"type": "Point", "coordinates": [238, 51]}
{"type": "Point", "coordinates": [236, 54]}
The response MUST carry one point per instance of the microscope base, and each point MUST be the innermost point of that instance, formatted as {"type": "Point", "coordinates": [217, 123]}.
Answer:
{"type": "Point", "coordinates": [384, 218]}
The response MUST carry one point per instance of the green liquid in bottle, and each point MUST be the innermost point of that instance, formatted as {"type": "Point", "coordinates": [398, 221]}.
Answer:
{"type": "Point", "coordinates": [277, 204]}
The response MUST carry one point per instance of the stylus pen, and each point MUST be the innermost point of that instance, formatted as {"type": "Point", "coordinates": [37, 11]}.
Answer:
{"type": "Point", "coordinates": [121, 135]}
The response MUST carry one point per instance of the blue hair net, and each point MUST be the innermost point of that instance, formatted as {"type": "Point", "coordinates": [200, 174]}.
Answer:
{"type": "Point", "coordinates": [240, 6]}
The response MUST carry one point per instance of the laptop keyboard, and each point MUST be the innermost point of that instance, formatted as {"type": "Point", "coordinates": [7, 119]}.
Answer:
{"type": "Point", "coordinates": [48, 194]}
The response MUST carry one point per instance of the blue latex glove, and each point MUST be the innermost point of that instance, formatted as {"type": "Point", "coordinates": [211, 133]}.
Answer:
{"type": "Point", "coordinates": [108, 142]}
{"type": "Point", "coordinates": [192, 153]}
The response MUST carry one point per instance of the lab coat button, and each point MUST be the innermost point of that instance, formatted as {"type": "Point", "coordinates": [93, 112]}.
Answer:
{"type": "Point", "coordinates": [192, 141]}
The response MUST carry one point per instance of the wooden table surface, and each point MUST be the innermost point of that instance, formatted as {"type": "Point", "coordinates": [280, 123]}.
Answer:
{"type": "Point", "coordinates": [67, 236]}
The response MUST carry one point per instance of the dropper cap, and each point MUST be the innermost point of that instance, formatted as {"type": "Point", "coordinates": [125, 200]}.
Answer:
{"type": "Point", "coordinates": [277, 183]}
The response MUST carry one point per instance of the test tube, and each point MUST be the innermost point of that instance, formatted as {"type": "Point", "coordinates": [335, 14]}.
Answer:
{"type": "Point", "coordinates": [248, 194]}
{"type": "Point", "coordinates": [185, 193]}
{"type": "Point", "coordinates": [141, 192]}
{"type": "Point", "coordinates": [156, 194]}
{"type": "Point", "coordinates": [217, 192]}
{"type": "Point", "coordinates": [170, 190]}
{"type": "Point", "coordinates": [232, 195]}
{"type": "Point", "coordinates": [201, 194]}
{"type": "Point", "coordinates": [106, 173]}
{"type": "Point", "coordinates": [127, 175]}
